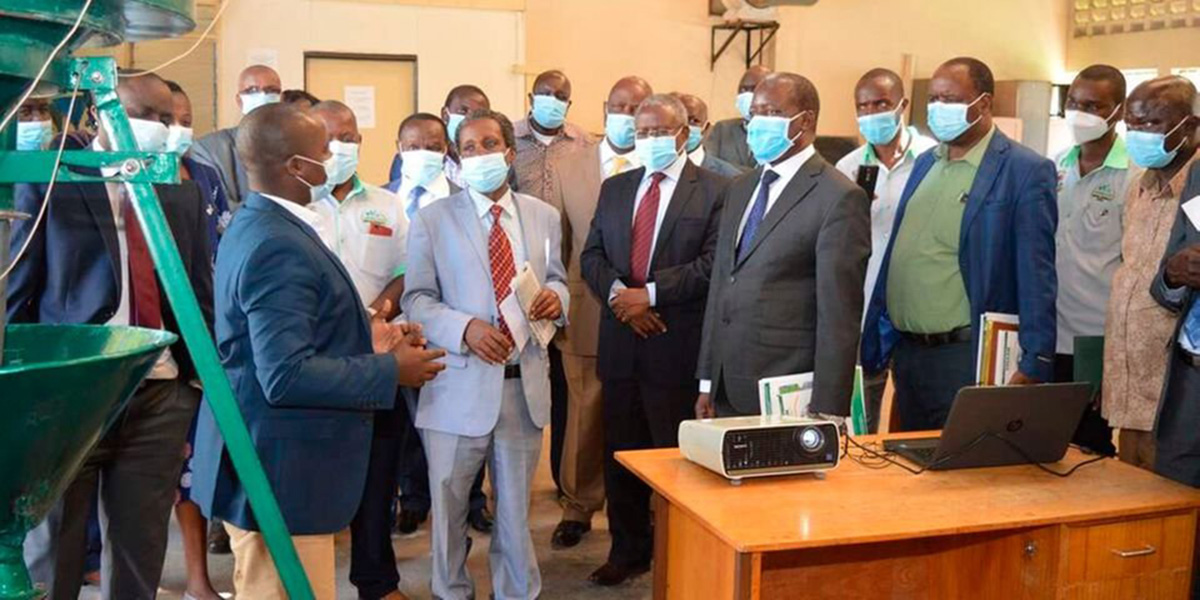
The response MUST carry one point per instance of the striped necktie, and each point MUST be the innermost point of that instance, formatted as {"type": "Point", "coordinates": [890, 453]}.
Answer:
{"type": "Point", "coordinates": [414, 202]}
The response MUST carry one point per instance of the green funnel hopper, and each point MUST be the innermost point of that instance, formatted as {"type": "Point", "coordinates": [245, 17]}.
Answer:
{"type": "Point", "coordinates": [60, 388]}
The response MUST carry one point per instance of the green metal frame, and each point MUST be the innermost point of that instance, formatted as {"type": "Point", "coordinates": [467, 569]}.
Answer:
{"type": "Point", "coordinates": [133, 167]}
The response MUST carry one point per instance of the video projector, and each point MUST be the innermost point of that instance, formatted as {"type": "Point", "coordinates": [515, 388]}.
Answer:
{"type": "Point", "coordinates": [739, 447]}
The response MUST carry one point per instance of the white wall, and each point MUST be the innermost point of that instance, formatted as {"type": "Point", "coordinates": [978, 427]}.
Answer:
{"type": "Point", "coordinates": [452, 45]}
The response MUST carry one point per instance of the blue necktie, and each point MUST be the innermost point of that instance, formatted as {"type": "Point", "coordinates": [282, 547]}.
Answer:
{"type": "Point", "coordinates": [414, 203]}
{"type": "Point", "coordinates": [1191, 327]}
{"type": "Point", "coordinates": [757, 212]}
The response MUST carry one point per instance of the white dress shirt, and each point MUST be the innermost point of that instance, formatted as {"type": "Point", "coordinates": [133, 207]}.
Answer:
{"type": "Point", "coordinates": [608, 156]}
{"type": "Point", "coordinates": [697, 155]}
{"type": "Point", "coordinates": [666, 190]}
{"type": "Point", "coordinates": [435, 190]}
{"type": "Point", "coordinates": [306, 215]}
{"type": "Point", "coordinates": [508, 222]}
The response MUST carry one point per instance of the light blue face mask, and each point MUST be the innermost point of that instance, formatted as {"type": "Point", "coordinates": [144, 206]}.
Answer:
{"type": "Point", "coordinates": [743, 102]}
{"type": "Point", "coordinates": [33, 135]}
{"type": "Point", "coordinates": [619, 130]}
{"type": "Point", "coordinates": [947, 121]}
{"type": "Point", "coordinates": [422, 166]}
{"type": "Point", "coordinates": [880, 128]}
{"type": "Point", "coordinates": [344, 164]}
{"type": "Point", "coordinates": [486, 173]}
{"type": "Point", "coordinates": [657, 153]}
{"type": "Point", "coordinates": [548, 111]}
{"type": "Point", "coordinates": [768, 137]}
{"type": "Point", "coordinates": [1148, 150]}
{"type": "Point", "coordinates": [695, 137]}
{"type": "Point", "coordinates": [254, 100]}
{"type": "Point", "coordinates": [452, 126]}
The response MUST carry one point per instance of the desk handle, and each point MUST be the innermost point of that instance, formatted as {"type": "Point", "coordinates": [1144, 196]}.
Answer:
{"type": "Point", "coordinates": [1147, 551]}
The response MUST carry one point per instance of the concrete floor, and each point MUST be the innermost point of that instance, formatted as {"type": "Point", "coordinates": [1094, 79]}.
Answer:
{"type": "Point", "coordinates": [564, 572]}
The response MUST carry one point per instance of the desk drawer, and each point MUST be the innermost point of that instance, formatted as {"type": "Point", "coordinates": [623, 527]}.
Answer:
{"type": "Point", "coordinates": [1126, 548]}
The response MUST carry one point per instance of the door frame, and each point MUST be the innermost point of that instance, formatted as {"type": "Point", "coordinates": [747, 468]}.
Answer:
{"type": "Point", "coordinates": [412, 58]}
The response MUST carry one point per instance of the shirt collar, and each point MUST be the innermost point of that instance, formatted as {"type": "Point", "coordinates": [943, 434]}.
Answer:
{"type": "Point", "coordinates": [309, 216]}
{"type": "Point", "coordinates": [788, 168]}
{"type": "Point", "coordinates": [1118, 156]}
{"type": "Point", "coordinates": [673, 171]}
{"type": "Point", "coordinates": [607, 154]}
{"type": "Point", "coordinates": [483, 204]}
{"type": "Point", "coordinates": [698, 156]}
{"type": "Point", "coordinates": [974, 156]}
{"type": "Point", "coordinates": [439, 187]}
{"type": "Point", "coordinates": [523, 129]}
{"type": "Point", "coordinates": [908, 135]}
{"type": "Point", "coordinates": [1152, 179]}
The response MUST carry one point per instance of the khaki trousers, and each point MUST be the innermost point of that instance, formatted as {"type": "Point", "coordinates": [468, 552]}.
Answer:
{"type": "Point", "coordinates": [582, 471]}
{"type": "Point", "coordinates": [1136, 448]}
{"type": "Point", "coordinates": [254, 574]}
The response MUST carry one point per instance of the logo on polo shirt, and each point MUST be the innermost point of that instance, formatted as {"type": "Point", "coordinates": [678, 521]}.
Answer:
{"type": "Point", "coordinates": [375, 217]}
{"type": "Point", "coordinates": [1103, 193]}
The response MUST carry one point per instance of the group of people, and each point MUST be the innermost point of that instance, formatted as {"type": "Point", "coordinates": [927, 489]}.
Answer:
{"type": "Point", "coordinates": [385, 338]}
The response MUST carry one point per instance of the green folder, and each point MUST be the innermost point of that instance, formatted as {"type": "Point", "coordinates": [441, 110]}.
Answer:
{"type": "Point", "coordinates": [1089, 361]}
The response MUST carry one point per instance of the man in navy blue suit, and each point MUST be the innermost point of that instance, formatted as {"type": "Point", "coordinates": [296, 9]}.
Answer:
{"type": "Point", "coordinates": [974, 233]}
{"type": "Point", "coordinates": [307, 366]}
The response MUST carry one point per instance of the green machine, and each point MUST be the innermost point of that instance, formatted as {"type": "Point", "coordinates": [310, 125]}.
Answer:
{"type": "Point", "coordinates": [61, 387]}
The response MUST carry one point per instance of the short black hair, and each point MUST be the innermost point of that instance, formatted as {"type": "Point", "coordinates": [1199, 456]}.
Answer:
{"type": "Point", "coordinates": [175, 87]}
{"type": "Point", "coordinates": [804, 93]}
{"type": "Point", "coordinates": [1107, 73]}
{"type": "Point", "coordinates": [881, 73]}
{"type": "Point", "coordinates": [979, 73]}
{"type": "Point", "coordinates": [465, 89]}
{"type": "Point", "coordinates": [506, 126]}
{"type": "Point", "coordinates": [294, 96]}
{"type": "Point", "coordinates": [419, 117]}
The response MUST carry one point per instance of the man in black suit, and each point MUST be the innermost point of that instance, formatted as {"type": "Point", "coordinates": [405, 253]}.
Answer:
{"type": "Point", "coordinates": [789, 266]}
{"type": "Point", "coordinates": [88, 263]}
{"type": "Point", "coordinates": [648, 256]}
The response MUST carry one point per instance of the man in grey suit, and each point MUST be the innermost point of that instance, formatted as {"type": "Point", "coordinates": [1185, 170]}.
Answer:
{"type": "Point", "coordinates": [789, 267]}
{"type": "Point", "coordinates": [257, 85]}
{"type": "Point", "coordinates": [494, 398]}
{"type": "Point", "coordinates": [728, 138]}
{"type": "Point", "coordinates": [699, 127]}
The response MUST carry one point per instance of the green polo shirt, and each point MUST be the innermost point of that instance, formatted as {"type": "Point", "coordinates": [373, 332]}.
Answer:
{"type": "Point", "coordinates": [925, 289]}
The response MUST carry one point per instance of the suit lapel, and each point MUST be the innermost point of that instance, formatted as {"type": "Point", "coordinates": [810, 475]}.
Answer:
{"type": "Point", "coordinates": [529, 233]}
{"type": "Point", "coordinates": [738, 201]}
{"type": "Point", "coordinates": [985, 178]}
{"type": "Point", "coordinates": [464, 211]}
{"type": "Point", "coordinates": [622, 247]}
{"type": "Point", "coordinates": [796, 191]}
{"type": "Point", "coordinates": [685, 189]}
{"type": "Point", "coordinates": [95, 197]}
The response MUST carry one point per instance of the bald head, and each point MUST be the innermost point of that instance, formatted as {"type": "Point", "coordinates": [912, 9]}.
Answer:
{"type": "Point", "coordinates": [552, 83]}
{"type": "Point", "coordinates": [339, 121]}
{"type": "Point", "coordinates": [270, 142]}
{"type": "Point", "coordinates": [752, 77]}
{"type": "Point", "coordinates": [697, 109]}
{"type": "Point", "coordinates": [259, 78]}
{"type": "Point", "coordinates": [626, 94]}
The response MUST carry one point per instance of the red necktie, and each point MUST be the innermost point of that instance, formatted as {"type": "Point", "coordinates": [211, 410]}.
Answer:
{"type": "Point", "coordinates": [503, 269]}
{"type": "Point", "coordinates": [144, 301]}
{"type": "Point", "coordinates": [643, 232]}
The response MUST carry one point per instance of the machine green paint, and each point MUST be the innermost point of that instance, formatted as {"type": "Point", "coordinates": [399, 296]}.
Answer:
{"type": "Point", "coordinates": [60, 386]}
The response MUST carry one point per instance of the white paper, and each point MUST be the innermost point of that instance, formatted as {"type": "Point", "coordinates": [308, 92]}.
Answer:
{"type": "Point", "coordinates": [361, 100]}
{"type": "Point", "coordinates": [263, 56]}
{"type": "Point", "coordinates": [514, 317]}
{"type": "Point", "coordinates": [785, 395]}
{"type": "Point", "coordinates": [1191, 208]}
{"type": "Point", "coordinates": [526, 287]}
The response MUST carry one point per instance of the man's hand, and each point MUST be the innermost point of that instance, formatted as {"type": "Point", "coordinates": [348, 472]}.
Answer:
{"type": "Point", "coordinates": [412, 332]}
{"type": "Point", "coordinates": [384, 309]}
{"type": "Point", "coordinates": [487, 342]}
{"type": "Point", "coordinates": [704, 407]}
{"type": "Point", "coordinates": [1183, 269]}
{"type": "Point", "coordinates": [1020, 378]}
{"type": "Point", "coordinates": [647, 324]}
{"type": "Point", "coordinates": [384, 336]}
{"type": "Point", "coordinates": [546, 305]}
{"type": "Point", "coordinates": [630, 303]}
{"type": "Point", "coordinates": [414, 364]}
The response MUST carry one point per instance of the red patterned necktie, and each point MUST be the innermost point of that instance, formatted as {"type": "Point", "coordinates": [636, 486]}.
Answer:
{"type": "Point", "coordinates": [144, 300]}
{"type": "Point", "coordinates": [643, 232]}
{"type": "Point", "coordinates": [503, 269]}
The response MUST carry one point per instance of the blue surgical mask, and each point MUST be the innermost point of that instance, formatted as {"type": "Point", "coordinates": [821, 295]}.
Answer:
{"type": "Point", "coordinates": [179, 139]}
{"type": "Point", "coordinates": [548, 111]}
{"type": "Point", "coordinates": [768, 137]}
{"type": "Point", "coordinates": [422, 166]}
{"type": "Point", "coordinates": [618, 128]}
{"type": "Point", "coordinates": [1148, 150]}
{"type": "Point", "coordinates": [657, 153]}
{"type": "Point", "coordinates": [344, 163]}
{"type": "Point", "coordinates": [743, 102]}
{"type": "Point", "coordinates": [947, 120]}
{"type": "Point", "coordinates": [880, 128]}
{"type": "Point", "coordinates": [485, 173]}
{"type": "Point", "coordinates": [317, 191]}
{"type": "Point", "coordinates": [254, 100]}
{"type": "Point", "coordinates": [33, 135]}
{"type": "Point", "coordinates": [695, 137]}
{"type": "Point", "coordinates": [452, 126]}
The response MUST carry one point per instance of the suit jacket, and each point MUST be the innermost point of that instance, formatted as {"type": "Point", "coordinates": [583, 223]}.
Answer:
{"type": "Point", "coordinates": [296, 344]}
{"type": "Point", "coordinates": [801, 281]}
{"type": "Point", "coordinates": [679, 269]}
{"type": "Point", "coordinates": [727, 141]}
{"type": "Point", "coordinates": [219, 151]}
{"type": "Point", "coordinates": [1183, 235]}
{"type": "Point", "coordinates": [72, 271]}
{"type": "Point", "coordinates": [721, 166]}
{"type": "Point", "coordinates": [448, 283]}
{"type": "Point", "coordinates": [1006, 253]}
{"type": "Point", "coordinates": [576, 202]}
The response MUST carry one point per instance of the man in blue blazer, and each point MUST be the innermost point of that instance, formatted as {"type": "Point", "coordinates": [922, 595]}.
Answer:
{"type": "Point", "coordinates": [306, 366]}
{"type": "Point", "coordinates": [974, 233]}
{"type": "Point", "coordinates": [494, 400]}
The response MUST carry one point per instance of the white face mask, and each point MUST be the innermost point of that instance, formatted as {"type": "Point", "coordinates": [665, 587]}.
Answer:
{"type": "Point", "coordinates": [421, 166]}
{"type": "Point", "coordinates": [254, 100]}
{"type": "Point", "coordinates": [151, 136]}
{"type": "Point", "coordinates": [179, 139]}
{"type": "Point", "coordinates": [345, 161]}
{"type": "Point", "coordinates": [1086, 127]}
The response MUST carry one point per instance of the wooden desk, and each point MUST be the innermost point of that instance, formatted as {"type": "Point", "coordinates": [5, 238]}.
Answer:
{"type": "Point", "coordinates": [1108, 531]}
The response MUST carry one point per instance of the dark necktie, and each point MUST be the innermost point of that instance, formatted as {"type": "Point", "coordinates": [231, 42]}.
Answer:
{"type": "Point", "coordinates": [757, 212]}
{"type": "Point", "coordinates": [503, 268]}
{"type": "Point", "coordinates": [643, 232]}
{"type": "Point", "coordinates": [144, 300]}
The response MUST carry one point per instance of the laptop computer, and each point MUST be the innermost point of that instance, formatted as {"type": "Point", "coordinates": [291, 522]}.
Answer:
{"type": "Point", "coordinates": [1038, 419]}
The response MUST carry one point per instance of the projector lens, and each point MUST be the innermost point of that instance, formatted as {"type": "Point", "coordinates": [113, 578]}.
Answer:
{"type": "Point", "coordinates": [811, 439]}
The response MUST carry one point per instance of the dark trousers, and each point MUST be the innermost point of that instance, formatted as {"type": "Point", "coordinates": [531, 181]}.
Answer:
{"type": "Point", "coordinates": [558, 413]}
{"type": "Point", "coordinates": [372, 559]}
{"type": "Point", "coordinates": [1093, 432]}
{"type": "Point", "coordinates": [927, 380]}
{"type": "Point", "coordinates": [1178, 433]}
{"type": "Point", "coordinates": [412, 469]}
{"type": "Point", "coordinates": [637, 416]}
{"type": "Point", "coordinates": [136, 467]}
